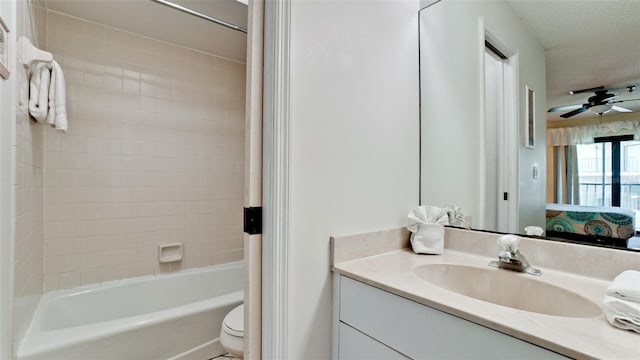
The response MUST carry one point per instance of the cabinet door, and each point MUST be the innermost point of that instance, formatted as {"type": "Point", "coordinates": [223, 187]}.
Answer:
{"type": "Point", "coordinates": [421, 332]}
{"type": "Point", "coordinates": [355, 345]}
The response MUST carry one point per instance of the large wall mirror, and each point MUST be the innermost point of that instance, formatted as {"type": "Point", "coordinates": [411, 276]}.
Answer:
{"type": "Point", "coordinates": [503, 137]}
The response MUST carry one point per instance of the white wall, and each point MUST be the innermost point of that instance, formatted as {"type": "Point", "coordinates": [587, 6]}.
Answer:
{"type": "Point", "coordinates": [7, 116]}
{"type": "Point", "coordinates": [452, 104]}
{"type": "Point", "coordinates": [354, 86]}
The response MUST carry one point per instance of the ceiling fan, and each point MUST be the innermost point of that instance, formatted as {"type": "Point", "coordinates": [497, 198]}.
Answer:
{"type": "Point", "coordinates": [601, 102]}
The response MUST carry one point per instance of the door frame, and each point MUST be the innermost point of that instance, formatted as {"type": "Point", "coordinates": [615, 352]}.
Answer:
{"type": "Point", "coordinates": [276, 180]}
{"type": "Point", "coordinates": [253, 181]}
{"type": "Point", "coordinates": [508, 169]}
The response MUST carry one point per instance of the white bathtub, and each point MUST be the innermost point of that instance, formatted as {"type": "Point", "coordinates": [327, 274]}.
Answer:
{"type": "Point", "coordinates": [174, 316]}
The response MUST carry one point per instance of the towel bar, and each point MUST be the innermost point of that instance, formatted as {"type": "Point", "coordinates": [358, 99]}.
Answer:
{"type": "Point", "coordinates": [28, 54]}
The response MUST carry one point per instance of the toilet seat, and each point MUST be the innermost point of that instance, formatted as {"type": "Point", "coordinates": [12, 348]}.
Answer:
{"type": "Point", "coordinates": [232, 332]}
{"type": "Point", "coordinates": [233, 323]}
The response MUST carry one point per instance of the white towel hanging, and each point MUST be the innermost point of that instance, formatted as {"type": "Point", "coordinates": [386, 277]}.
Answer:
{"type": "Point", "coordinates": [47, 100]}
{"type": "Point", "coordinates": [29, 54]}
{"type": "Point", "coordinates": [57, 99]}
{"type": "Point", "coordinates": [39, 92]}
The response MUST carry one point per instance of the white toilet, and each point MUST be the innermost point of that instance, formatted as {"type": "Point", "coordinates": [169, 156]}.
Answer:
{"type": "Point", "coordinates": [232, 332]}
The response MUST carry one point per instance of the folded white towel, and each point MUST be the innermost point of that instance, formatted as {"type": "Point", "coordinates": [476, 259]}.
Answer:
{"type": "Point", "coordinates": [622, 314]}
{"type": "Point", "coordinates": [426, 224]}
{"type": "Point", "coordinates": [427, 214]}
{"type": "Point", "coordinates": [429, 239]}
{"type": "Point", "coordinates": [57, 99]}
{"type": "Point", "coordinates": [626, 286]}
{"type": "Point", "coordinates": [39, 92]}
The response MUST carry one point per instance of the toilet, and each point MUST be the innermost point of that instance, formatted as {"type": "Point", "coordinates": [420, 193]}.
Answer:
{"type": "Point", "coordinates": [232, 332]}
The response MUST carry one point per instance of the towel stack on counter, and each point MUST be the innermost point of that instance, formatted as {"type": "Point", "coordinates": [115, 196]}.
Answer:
{"type": "Point", "coordinates": [47, 98]}
{"type": "Point", "coordinates": [622, 301]}
{"type": "Point", "coordinates": [426, 224]}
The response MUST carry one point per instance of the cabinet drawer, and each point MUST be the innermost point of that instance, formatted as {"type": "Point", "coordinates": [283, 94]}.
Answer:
{"type": "Point", "coordinates": [422, 332]}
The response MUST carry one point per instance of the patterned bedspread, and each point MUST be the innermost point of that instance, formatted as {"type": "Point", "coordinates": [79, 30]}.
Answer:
{"type": "Point", "coordinates": [587, 220]}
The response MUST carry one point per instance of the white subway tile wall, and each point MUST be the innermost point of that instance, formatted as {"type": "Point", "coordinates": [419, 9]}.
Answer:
{"type": "Point", "coordinates": [154, 155]}
{"type": "Point", "coordinates": [28, 183]}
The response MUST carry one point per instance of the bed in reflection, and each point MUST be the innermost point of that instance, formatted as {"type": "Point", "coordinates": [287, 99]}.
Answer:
{"type": "Point", "coordinates": [592, 224]}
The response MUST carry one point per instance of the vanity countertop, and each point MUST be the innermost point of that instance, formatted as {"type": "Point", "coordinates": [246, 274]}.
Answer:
{"type": "Point", "coordinates": [392, 270]}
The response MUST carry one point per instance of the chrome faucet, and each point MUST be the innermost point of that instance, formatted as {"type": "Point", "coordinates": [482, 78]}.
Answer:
{"type": "Point", "coordinates": [511, 258]}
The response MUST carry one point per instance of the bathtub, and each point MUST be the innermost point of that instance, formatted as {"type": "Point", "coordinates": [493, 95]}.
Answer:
{"type": "Point", "coordinates": [173, 316]}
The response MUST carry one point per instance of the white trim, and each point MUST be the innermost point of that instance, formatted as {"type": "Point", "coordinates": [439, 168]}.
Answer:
{"type": "Point", "coordinates": [512, 81]}
{"type": "Point", "coordinates": [276, 160]}
{"type": "Point", "coordinates": [253, 181]}
{"type": "Point", "coordinates": [335, 318]}
{"type": "Point", "coordinates": [481, 155]}
{"type": "Point", "coordinates": [529, 115]}
{"type": "Point", "coordinates": [253, 106]}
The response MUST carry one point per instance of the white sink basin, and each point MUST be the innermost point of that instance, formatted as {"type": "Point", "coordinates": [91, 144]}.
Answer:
{"type": "Point", "coordinates": [507, 288]}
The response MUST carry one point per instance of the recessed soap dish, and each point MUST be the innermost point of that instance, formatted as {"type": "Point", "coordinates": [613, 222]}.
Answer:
{"type": "Point", "coordinates": [170, 252]}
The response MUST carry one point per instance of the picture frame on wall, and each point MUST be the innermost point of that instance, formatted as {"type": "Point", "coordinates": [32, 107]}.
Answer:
{"type": "Point", "coordinates": [530, 118]}
{"type": "Point", "coordinates": [4, 49]}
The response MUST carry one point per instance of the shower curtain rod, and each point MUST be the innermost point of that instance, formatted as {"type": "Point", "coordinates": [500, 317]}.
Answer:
{"type": "Point", "coordinates": [186, 10]}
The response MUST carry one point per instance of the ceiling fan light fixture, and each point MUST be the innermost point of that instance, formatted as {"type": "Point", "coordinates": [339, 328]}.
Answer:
{"type": "Point", "coordinates": [600, 109]}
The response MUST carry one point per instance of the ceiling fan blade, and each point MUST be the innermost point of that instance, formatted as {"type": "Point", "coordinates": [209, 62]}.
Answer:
{"type": "Point", "coordinates": [573, 92]}
{"type": "Point", "coordinates": [620, 101]}
{"type": "Point", "coordinates": [621, 109]}
{"type": "Point", "coordinates": [564, 107]}
{"type": "Point", "coordinates": [574, 112]}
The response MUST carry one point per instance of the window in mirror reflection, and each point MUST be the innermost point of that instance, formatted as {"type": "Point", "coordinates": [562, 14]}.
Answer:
{"type": "Point", "coordinates": [594, 174]}
{"type": "Point", "coordinates": [608, 173]}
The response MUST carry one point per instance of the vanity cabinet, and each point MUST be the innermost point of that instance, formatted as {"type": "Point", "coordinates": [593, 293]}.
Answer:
{"type": "Point", "coordinates": [369, 323]}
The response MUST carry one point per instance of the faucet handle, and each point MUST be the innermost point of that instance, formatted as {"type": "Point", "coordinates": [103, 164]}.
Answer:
{"type": "Point", "coordinates": [509, 243]}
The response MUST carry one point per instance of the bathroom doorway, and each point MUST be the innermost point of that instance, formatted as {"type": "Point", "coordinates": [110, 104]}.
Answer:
{"type": "Point", "coordinates": [163, 147]}
{"type": "Point", "coordinates": [498, 140]}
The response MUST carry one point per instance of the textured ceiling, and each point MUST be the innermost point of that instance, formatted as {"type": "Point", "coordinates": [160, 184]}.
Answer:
{"type": "Point", "coordinates": [154, 20]}
{"type": "Point", "coordinates": [588, 43]}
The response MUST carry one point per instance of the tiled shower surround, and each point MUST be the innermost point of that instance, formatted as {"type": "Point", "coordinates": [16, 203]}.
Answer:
{"type": "Point", "coordinates": [28, 184]}
{"type": "Point", "coordinates": [154, 155]}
